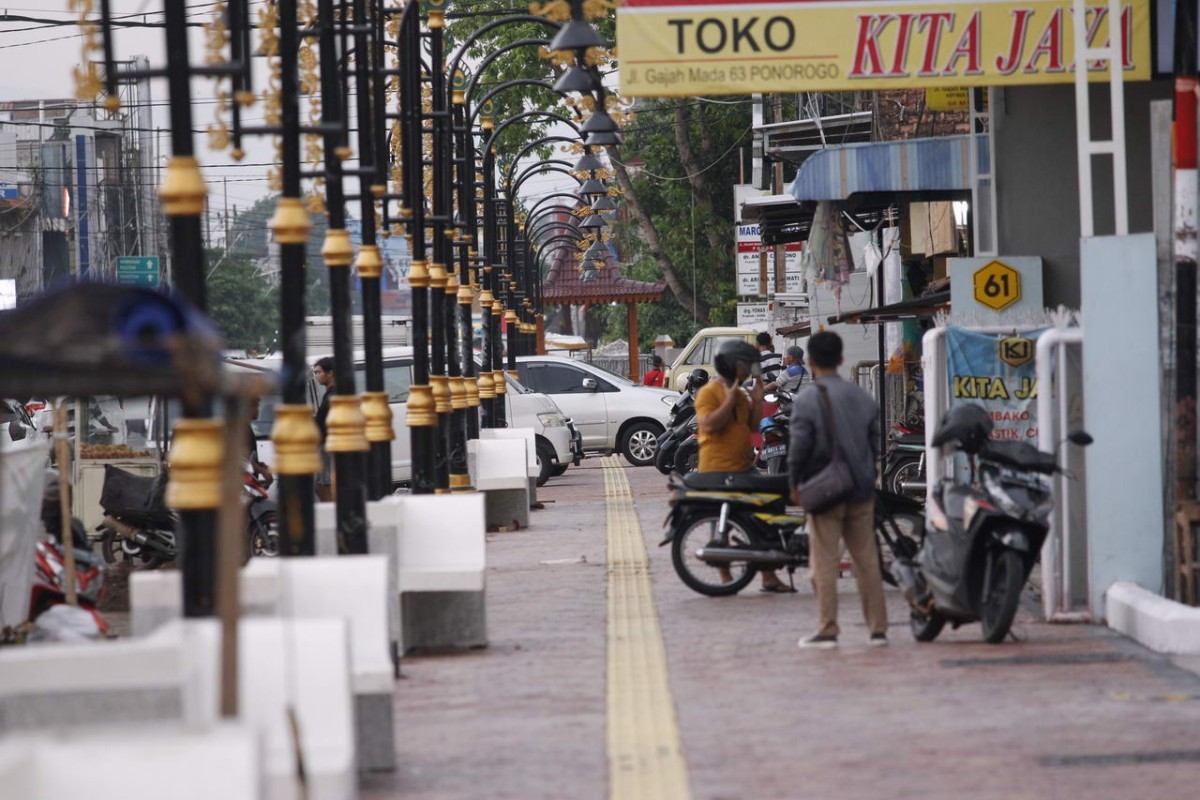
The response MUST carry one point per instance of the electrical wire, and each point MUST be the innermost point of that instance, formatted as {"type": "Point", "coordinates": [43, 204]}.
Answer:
{"type": "Point", "coordinates": [718, 160]}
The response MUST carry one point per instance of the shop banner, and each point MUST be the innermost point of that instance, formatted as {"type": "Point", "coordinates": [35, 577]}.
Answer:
{"type": "Point", "coordinates": [671, 48]}
{"type": "Point", "coordinates": [998, 373]}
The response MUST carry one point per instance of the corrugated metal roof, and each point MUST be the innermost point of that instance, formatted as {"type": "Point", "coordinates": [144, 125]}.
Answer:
{"type": "Point", "coordinates": [912, 165]}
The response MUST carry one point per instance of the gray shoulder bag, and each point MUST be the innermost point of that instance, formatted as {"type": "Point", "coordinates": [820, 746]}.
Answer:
{"type": "Point", "coordinates": [834, 482]}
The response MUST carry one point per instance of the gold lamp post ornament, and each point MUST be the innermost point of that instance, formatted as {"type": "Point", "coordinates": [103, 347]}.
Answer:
{"type": "Point", "coordinates": [195, 461]}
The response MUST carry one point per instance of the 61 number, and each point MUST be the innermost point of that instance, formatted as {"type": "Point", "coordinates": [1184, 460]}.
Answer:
{"type": "Point", "coordinates": [997, 286]}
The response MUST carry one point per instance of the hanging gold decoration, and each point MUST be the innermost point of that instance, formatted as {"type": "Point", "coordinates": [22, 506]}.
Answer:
{"type": "Point", "coordinates": [554, 10]}
{"type": "Point", "coordinates": [598, 9]}
{"type": "Point", "coordinates": [86, 74]}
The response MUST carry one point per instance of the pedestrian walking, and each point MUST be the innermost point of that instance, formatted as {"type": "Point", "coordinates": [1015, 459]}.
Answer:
{"type": "Point", "coordinates": [323, 372]}
{"type": "Point", "coordinates": [655, 375]}
{"type": "Point", "coordinates": [726, 415]}
{"type": "Point", "coordinates": [835, 420]}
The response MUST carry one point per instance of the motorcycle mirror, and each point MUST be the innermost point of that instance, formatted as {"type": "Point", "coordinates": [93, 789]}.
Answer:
{"type": "Point", "coordinates": [1080, 438]}
{"type": "Point", "coordinates": [16, 431]}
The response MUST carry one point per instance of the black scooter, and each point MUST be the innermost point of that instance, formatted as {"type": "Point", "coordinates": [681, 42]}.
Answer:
{"type": "Point", "coordinates": [683, 413]}
{"type": "Point", "coordinates": [982, 537]}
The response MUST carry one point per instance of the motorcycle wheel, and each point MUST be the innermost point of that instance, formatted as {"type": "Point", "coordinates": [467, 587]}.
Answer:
{"type": "Point", "coordinates": [264, 535]}
{"type": "Point", "coordinates": [695, 532]}
{"type": "Point", "coordinates": [999, 607]}
{"type": "Point", "coordinates": [906, 530]}
{"type": "Point", "coordinates": [900, 472]}
{"type": "Point", "coordinates": [664, 457]}
{"type": "Point", "coordinates": [925, 627]}
{"type": "Point", "coordinates": [687, 457]}
{"type": "Point", "coordinates": [110, 548]}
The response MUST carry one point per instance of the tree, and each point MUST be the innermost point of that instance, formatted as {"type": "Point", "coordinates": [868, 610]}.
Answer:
{"type": "Point", "coordinates": [244, 307]}
{"type": "Point", "coordinates": [680, 218]}
{"type": "Point", "coordinates": [249, 237]}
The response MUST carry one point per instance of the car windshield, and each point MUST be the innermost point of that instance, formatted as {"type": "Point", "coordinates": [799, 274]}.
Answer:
{"type": "Point", "coordinates": [612, 376]}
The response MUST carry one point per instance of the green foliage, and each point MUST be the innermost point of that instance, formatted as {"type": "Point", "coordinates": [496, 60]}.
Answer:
{"type": "Point", "coordinates": [249, 237]}
{"type": "Point", "coordinates": [244, 306]}
{"type": "Point", "coordinates": [523, 62]}
{"type": "Point", "coordinates": [687, 224]}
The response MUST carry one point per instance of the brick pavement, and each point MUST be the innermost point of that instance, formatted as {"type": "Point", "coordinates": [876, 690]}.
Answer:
{"type": "Point", "coordinates": [758, 718]}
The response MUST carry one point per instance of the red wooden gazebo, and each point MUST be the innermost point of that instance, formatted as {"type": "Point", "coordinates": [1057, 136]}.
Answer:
{"type": "Point", "coordinates": [565, 285]}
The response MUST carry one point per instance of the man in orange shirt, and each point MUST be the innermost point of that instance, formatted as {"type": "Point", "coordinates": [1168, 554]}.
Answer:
{"type": "Point", "coordinates": [726, 416]}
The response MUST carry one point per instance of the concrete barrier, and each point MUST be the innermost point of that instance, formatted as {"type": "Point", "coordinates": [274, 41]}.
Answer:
{"type": "Point", "coordinates": [498, 470]}
{"type": "Point", "coordinates": [442, 557]}
{"type": "Point", "coordinates": [1156, 622]}
{"type": "Point", "coordinates": [531, 465]}
{"type": "Point", "coordinates": [354, 588]}
{"type": "Point", "coordinates": [182, 763]}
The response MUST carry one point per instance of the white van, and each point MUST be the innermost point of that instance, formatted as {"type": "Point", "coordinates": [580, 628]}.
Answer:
{"type": "Point", "coordinates": [524, 409]}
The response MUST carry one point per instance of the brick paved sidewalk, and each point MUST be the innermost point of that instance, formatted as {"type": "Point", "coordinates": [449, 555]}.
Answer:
{"type": "Point", "coordinates": [1064, 713]}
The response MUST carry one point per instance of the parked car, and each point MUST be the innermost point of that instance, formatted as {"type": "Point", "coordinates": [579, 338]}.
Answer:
{"type": "Point", "coordinates": [612, 412]}
{"type": "Point", "coordinates": [525, 409]}
{"type": "Point", "coordinates": [700, 352]}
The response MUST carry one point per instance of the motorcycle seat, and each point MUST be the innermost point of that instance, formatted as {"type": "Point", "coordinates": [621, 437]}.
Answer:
{"type": "Point", "coordinates": [737, 481]}
{"type": "Point", "coordinates": [911, 439]}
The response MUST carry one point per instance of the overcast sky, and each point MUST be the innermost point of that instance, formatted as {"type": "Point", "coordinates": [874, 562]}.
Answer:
{"type": "Point", "coordinates": [36, 61]}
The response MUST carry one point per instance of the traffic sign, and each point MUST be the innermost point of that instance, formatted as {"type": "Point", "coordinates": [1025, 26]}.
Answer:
{"type": "Point", "coordinates": [138, 271]}
{"type": "Point", "coordinates": [997, 285]}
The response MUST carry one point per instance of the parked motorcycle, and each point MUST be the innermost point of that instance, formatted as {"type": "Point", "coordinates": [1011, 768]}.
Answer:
{"type": "Point", "coordinates": [983, 536]}
{"type": "Point", "coordinates": [262, 514]}
{"type": "Point", "coordinates": [137, 526]}
{"type": "Point", "coordinates": [682, 413]}
{"type": "Point", "coordinates": [725, 527]}
{"type": "Point", "coordinates": [904, 464]}
{"type": "Point", "coordinates": [49, 580]}
{"type": "Point", "coordinates": [772, 454]}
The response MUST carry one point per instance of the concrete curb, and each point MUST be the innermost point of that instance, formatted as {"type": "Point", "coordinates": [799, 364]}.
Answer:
{"type": "Point", "coordinates": [1156, 622]}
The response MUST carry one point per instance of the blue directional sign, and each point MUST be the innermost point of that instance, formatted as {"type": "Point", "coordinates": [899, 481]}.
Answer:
{"type": "Point", "coordinates": [9, 191]}
{"type": "Point", "coordinates": [138, 271]}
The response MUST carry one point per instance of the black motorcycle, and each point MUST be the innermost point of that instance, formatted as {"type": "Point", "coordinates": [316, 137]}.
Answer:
{"type": "Point", "coordinates": [904, 464]}
{"type": "Point", "coordinates": [724, 527]}
{"type": "Point", "coordinates": [137, 526]}
{"type": "Point", "coordinates": [982, 536]}
{"type": "Point", "coordinates": [775, 432]}
{"type": "Point", "coordinates": [679, 423]}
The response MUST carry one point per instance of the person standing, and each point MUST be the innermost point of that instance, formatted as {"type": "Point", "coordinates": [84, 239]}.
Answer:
{"type": "Point", "coordinates": [726, 415]}
{"type": "Point", "coordinates": [768, 360]}
{"type": "Point", "coordinates": [655, 375]}
{"type": "Point", "coordinates": [323, 372]}
{"type": "Point", "coordinates": [833, 413]}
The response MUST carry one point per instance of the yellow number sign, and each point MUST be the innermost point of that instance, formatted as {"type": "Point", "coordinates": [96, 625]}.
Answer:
{"type": "Point", "coordinates": [997, 285]}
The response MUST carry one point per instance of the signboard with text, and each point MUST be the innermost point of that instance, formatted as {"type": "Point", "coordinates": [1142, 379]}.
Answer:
{"type": "Point", "coordinates": [673, 48]}
{"type": "Point", "coordinates": [749, 314]}
{"type": "Point", "coordinates": [749, 247]}
{"type": "Point", "coordinates": [138, 271]}
{"type": "Point", "coordinates": [995, 285]}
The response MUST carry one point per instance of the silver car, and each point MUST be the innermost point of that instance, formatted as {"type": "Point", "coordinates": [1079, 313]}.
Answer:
{"type": "Point", "coordinates": [611, 411]}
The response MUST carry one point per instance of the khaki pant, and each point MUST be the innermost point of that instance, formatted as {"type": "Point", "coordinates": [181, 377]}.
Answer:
{"type": "Point", "coordinates": [855, 524]}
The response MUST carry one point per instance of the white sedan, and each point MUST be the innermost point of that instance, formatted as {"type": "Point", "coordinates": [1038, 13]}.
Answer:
{"type": "Point", "coordinates": [610, 411]}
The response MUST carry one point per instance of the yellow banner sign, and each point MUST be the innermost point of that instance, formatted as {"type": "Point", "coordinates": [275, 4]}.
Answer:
{"type": "Point", "coordinates": [947, 99]}
{"type": "Point", "coordinates": [685, 47]}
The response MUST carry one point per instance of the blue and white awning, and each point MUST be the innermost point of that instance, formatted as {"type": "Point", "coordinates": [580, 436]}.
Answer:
{"type": "Point", "coordinates": [939, 164]}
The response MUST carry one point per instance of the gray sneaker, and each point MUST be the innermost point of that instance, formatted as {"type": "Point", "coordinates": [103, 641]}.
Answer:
{"type": "Point", "coordinates": [818, 642]}
{"type": "Point", "coordinates": [878, 640]}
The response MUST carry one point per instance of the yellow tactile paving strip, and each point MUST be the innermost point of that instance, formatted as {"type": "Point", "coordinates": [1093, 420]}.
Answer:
{"type": "Point", "coordinates": [645, 756]}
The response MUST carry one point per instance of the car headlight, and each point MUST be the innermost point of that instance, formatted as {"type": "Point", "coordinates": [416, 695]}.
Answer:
{"type": "Point", "coordinates": [552, 419]}
{"type": "Point", "coordinates": [669, 400]}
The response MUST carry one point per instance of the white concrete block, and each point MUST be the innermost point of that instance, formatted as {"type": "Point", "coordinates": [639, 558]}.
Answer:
{"type": "Point", "coordinates": [443, 546]}
{"type": "Point", "coordinates": [526, 434]}
{"type": "Point", "coordinates": [299, 665]}
{"type": "Point", "coordinates": [353, 588]}
{"type": "Point", "coordinates": [156, 597]}
{"type": "Point", "coordinates": [183, 763]}
{"type": "Point", "coordinates": [498, 464]}
{"type": "Point", "coordinates": [1156, 622]}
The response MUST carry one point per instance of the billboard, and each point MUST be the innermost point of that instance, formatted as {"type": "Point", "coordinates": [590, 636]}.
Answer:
{"type": "Point", "coordinates": [689, 47]}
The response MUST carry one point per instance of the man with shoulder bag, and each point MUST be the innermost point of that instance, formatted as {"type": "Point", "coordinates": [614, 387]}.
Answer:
{"type": "Point", "coordinates": [831, 463]}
